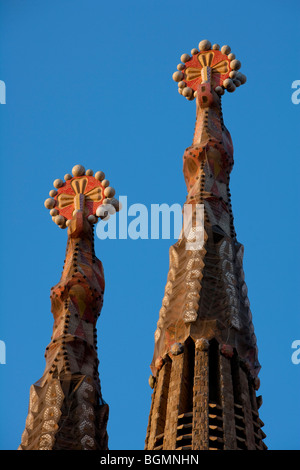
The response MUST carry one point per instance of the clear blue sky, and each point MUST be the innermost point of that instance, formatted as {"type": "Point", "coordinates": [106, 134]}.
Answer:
{"type": "Point", "coordinates": [89, 82]}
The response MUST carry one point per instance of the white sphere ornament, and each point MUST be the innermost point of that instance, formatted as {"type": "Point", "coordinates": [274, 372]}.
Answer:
{"type": "Point", "coordinates": [235, 64]}
{"type": "Point", "coordinates": [89, 172]}
{"type": "Point", "coordinates": [105, 183]}
{"type": "Point", "coordinates": [231, 56]}
{"type": "Point", "coordinates": [177, 76]}
{"type": "Point", "coordinates": [99, 211]}
{"type": "Point", "coordinates": [58, 183]}
{"type": "Point", "coordinates": [52, 193]}
{"type": "Point", "coordinates": [191, 97]}
{"type": "Point", "coordinates": [180, 67]}
{"type": "Point", "coordinates": [181, 84]}
{"type": "Point", "coordinates": [194, 51]}
{"type": "Point", "coordinates": [78, 170]}
{"type": "Point", "coordinates": [68, 177]}
{"type": "Point", "coordinates": [116, 204]}
{"type": "Point", "coordinates": [233, 74]}
{"type": "Point", "coordinates": [103, 211]}
{"type": "Point", "coordinates": [59, 220]}
{"type": "Point", "coordinates": [227, 83]}
{"type": "Point", "coordinates": [49, 203]}
{"type": "Point", "coordinates": [236, 82]}
{"type": "Point", "coordinates": [185, 58]}
{"type": "Point", "coordinates": [92, 219]}
{"type": "Point", "coordinates": [110, 208]}
{"type": "Point", "coordinates": [241, 77]}
{"type": "Point", "coordinates": [219, 90]}
{"type": "Point", "coordinates": [187, 92]}
{"type": "Point", "coordinates": [216, 47]}
{"type": "Point", "coordinates": [204, 45]}
{"type": "Point", "coordinates": [109, 192]}
{"type": "Point", "coordinates": [99, 175]}
{"type": "Point", "coordinates": [54, 212]}
{"type": "Point", "coordinates": [225, 50]}
{"type": "Point", "coordinates": [231, 88]}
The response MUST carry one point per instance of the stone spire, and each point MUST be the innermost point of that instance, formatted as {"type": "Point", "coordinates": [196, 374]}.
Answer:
{"type": "Point", "coordinates": [205, 364]}
{"type": "Point", "coordinates": [66, 408]}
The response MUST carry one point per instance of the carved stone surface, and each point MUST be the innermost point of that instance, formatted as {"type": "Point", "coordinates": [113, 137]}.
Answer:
{"type": "Point", "coordinates": [66, 408]}
{"type": "Point", "coordinates": [208, 284]}
{"type": "Point", "coordinates": [211, 390]}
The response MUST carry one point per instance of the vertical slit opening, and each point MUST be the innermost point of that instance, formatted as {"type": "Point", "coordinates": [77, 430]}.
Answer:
{"type": "Point", "coordinates": [187, 386]}
{"type": "Point", "coordinates": [214, 373]}
{"type": "Point", "coordinates": [252, 396]}
{"type": "Point", "coordinates": [238, 403]}
{"type": "Point", "coordinates": [237, 393]}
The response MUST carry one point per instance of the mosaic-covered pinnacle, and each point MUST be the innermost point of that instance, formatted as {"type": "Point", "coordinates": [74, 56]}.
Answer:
{"type": "Point", "coordinates": [82, 191]}
{"type": "Point", "coordinates": [208, 64]}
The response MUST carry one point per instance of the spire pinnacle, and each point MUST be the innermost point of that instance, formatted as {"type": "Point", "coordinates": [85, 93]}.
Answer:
{"type": "Point", "coordinates": [208, 64]}
{"type": "Point", "coordinates": [81, 192]}
{"type": "Point", "coordinates": [205, 363]}
{"type": "Point", "coordinates": [66, 408]}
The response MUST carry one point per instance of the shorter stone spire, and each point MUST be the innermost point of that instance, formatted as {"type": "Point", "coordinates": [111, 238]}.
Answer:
{"type": "Point", "coordinates": [66, 408]}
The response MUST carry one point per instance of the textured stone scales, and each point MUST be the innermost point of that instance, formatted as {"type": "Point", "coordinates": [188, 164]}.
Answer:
{"type": "Point", "coordinates": [66, 408]}
{"type": "Point", "coordinates": [205, 364]}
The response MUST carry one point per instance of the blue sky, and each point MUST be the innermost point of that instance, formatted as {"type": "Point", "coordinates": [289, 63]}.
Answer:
{"type": "Point", "coordinates": [90, 82]}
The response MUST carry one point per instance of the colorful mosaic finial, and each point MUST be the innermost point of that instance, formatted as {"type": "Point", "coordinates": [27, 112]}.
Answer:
{"type": "Point", "coordinates": [208, 65]}
{"type": "Point", "coordinates": [81, 191]}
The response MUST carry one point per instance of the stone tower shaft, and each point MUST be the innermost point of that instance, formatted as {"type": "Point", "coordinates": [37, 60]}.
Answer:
{"type": "Point", "coordinates": [66, 407]}
{"type": "Point", "coordinates": [205, 364]}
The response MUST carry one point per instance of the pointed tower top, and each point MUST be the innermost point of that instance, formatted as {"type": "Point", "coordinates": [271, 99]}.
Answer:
{"type": "Point", "coordinates": [208, 64]}
{"type": "Point", "coordinates": [81, 191]}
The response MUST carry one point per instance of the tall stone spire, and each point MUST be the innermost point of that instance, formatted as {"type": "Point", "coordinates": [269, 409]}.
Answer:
{"type": "Point", "coordinates": [66, 408]}
{"type": "Point", "coordinates": [205, 364]}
